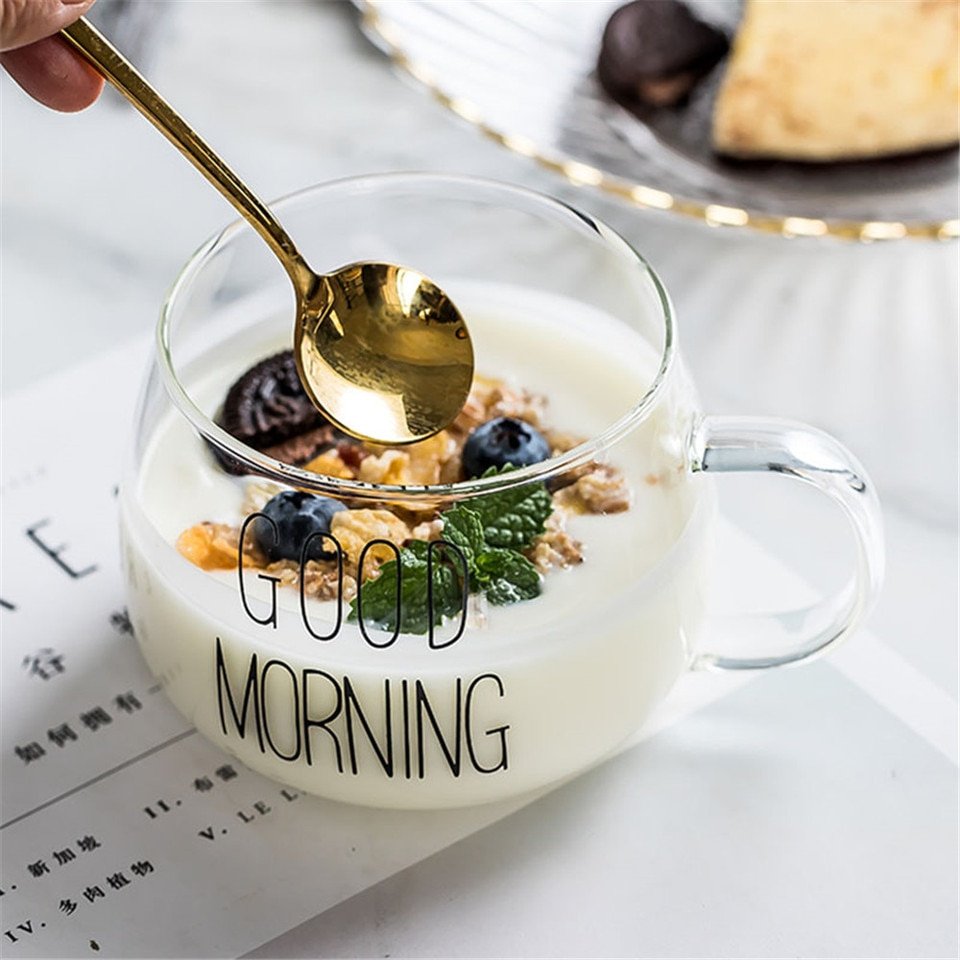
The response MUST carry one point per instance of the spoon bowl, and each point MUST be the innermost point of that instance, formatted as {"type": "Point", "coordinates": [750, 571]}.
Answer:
{"type": "Point", "coordinates": [383, 346]}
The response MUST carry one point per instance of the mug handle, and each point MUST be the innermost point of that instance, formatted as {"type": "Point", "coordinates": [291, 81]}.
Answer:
{"type": "Point", "coordinates": [759, 444]}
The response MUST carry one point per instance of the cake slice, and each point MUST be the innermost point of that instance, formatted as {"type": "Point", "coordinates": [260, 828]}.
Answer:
{"type": "Point", "coordinates": [840, 80]}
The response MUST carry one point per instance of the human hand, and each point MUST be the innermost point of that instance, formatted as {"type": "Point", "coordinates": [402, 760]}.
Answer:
{"type": "Point", "coordinates": [39, 61]}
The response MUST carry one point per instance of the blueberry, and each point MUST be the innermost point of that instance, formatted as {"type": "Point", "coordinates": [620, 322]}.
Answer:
{"type": "Point", "coordinates": [297, 515]}
{"type": "Point", "coordinates": [501, 441]}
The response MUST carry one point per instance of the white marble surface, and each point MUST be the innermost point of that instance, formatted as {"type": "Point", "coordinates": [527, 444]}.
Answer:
{"type": "Point", "coordinates": [98, 213]}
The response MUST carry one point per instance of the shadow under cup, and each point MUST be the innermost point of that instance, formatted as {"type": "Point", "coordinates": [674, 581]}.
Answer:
{"type": "Point", "coordinates": [496, 699]}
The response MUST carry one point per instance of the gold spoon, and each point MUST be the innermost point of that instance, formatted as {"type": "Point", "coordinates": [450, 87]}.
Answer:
{"type": "Point", "coordinates": [381, 350]}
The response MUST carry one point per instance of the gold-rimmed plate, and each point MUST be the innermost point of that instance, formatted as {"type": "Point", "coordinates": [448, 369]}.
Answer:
{"type": "Point", "coordinates": [522, 71]}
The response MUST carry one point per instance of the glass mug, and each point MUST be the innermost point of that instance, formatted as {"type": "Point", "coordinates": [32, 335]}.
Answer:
{"type": "Point", "coordinates": [465, 696]}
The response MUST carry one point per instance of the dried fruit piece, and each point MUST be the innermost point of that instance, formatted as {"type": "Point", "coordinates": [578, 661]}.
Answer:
{"type": "Point", "coordinates": [210, 546]}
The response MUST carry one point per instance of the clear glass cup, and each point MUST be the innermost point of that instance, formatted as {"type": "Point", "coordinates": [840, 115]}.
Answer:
{"type": "Point", "coordinates": [488, 680]}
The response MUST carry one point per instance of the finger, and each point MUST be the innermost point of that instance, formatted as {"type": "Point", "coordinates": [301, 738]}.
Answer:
{"type": "Point", "coordinates": [52, 73]}
{"type": "Point", "coordinates": [26, 21]}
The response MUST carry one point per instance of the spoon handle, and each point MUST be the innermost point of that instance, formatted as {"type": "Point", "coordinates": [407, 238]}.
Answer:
{"type": "Point", "coordinates": [107, 60]}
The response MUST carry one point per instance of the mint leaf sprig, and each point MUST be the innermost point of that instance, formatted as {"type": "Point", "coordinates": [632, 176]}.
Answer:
{"type": "Point", "coordinates": [490, 530]}
{"type": "Point", "coordinates": [380, 593]}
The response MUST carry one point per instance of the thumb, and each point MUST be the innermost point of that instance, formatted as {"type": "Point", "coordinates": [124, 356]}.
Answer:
{"type": "Point", "coordinates": [25, 21]}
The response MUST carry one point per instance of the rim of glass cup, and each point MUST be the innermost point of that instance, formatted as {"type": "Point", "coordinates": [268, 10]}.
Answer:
{"type": "Point", "coordinates": [265, 466]}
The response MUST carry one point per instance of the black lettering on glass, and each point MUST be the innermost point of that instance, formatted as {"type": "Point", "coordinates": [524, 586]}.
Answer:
{"type": "Point", "coordinates": [399, 581]}
{"type": "Point", "coordinates": [304, 557]}
{"type": "Point", "coordinates": [265, 711]}
{"type": "Point", "coordinates": [406, 729]}
{"type": "Point", "coordinates": [463, 578]}
{"type": "Point", "coordinates": [424, 707]}
{"type": "Point", "coordinates": [351, 707]}
{"type": "Point", "coordinates": [501, 764]}
{"type": "Point", "coordinates": [250, 690]}
{"type": "Point", "coordinates": [271, 618]}
{"type": "Point", "coordinates": [323, 722]}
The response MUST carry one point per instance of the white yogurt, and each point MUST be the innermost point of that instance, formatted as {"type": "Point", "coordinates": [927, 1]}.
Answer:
{"type": "Point", "coordinates": [538, 691]}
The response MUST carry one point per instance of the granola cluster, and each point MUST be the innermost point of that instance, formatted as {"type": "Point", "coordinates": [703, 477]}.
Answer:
{"type": "Point", "coordinates": [594, 489]}
{"type": "Point", "coordinates": [216, 546]}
